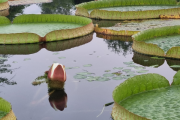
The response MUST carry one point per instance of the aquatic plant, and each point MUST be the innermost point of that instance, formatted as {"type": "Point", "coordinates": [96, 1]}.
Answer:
{"type": "Point", "coordinates": [50, 46]}
{"type": "Point", "coordinates": [6, 112]}
{"type": "Point", "coordinates": [140, 98]}
{"type": "Point", "coordinates": [98, 11]}
{"type": "Point", "coordinates": [140, 45]}
{"type": "Point", "coordinates": [81, 26]}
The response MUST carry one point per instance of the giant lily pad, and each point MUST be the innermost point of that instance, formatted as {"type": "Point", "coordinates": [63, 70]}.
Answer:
{"type": "Point", "coordinates": [51, 46]}
{"type": "Point", "coordinates": [140, 42]}
{"type": "Point", "coordinates": [127, 9]}
{"type": "Point", "coordinates": [146, 97]}
{"type": "Point", "coordinates": [6, 112]}
{"type": "Point", "coordinates": [45, 27]}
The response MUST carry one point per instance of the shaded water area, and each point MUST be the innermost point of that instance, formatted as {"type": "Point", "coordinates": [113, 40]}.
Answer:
{"type": "Point", "coordinates": [100, 55]}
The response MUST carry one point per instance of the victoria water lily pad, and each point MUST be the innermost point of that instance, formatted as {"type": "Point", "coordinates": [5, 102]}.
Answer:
{"type": "Point", "coordinates": [80, 76]}
{"type": "Point", "coordinates": [166, 42]}
{"type": "Point", "coordinates": [87, 65]}
{"type": "Point", "coordinates": [157, 58]}
{"type": "Point", "coordinates": [108, 75]}
{"type": "Point", "coordinates": [147, 97]}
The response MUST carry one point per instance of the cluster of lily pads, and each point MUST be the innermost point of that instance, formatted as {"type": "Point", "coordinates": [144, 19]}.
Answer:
{"type": "Point", "coordinates": [117, 73]}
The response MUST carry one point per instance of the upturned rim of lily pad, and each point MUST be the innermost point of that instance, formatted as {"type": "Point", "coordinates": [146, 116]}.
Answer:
{"type": "Point", "coordinates": [5, 106]}
{"type": "Point", "coordinates": [63, 34]}
{"type": "Point", "coordinates": [140, 46]}
{"type": "Point", "coordinates": [135, 85]}
{"type": "Point", "coordinates": [82, 9]}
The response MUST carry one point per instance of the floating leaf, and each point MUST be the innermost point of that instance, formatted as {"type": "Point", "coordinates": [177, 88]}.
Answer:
{"type": "Point", "coordinates": [154, 66]}
{"type": "Point", "coordinates": [91, 78]}
{"type": "Point", "coordinates": [2, 58]}
{"type": "Point", "coordinates": [84, 73]}
{"type": "Point", "coordinates": [108, 75]}
{"type": "Point", "coordinates": [126, 70]}
{"type": "Point", "coordinates": [142, 71]}
{"type": "Point", "coordinates": [61, 57]}
{"type": "Point", "coordinates": [119, 68]}
{"type": "Point", "coordinates": [175, 66]}
{"type": "Point", "coordinates": [139, 67]}
{"type": "Point", "coordinates": [55, 53]}
{"type": "Point", "coordinates": [80, 76]}
{"type": "Point", "coordinates": [103, 79]}
{"type": "Point", "coordinates": [117, 73]}
{"type": "Point", "coordinates": [27, 59]}
{"type": "Point", "coordinates": [14, 62]}
{"type": "Point", "coordinates": [128, 63]}
{"type": "Point", "coordinates": [132, 65]}
{"type": "Point", "coordinates": [107, 71]}
{"type": "Point", "coordinates": [87, 65]}
{"type": "Point", "coordinates": [118, 78]}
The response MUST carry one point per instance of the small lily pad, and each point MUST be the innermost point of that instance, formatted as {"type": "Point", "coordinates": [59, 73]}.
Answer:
{"type": "Point", "coordinates": [117, 73]}
{"type": "Point", "coordinates": [55, 53]}
{"type": "Point", "coordinates": [91, 78]}
{"type": "Point", "coordinates": [103, 79]}
{"type": "Point", "coordinates": [14, 62]}
{"type": "Point", "coordinates": [61, 57]}
{"type": "Point", "coordinates": [118, 78]}
{"type": "Point", "coordinates": [119, 68]}
{"type": "Point", "coordinates": [2, 58]}
{"type": "Point", "coordinates": [175, 66]}
{"type": "Point", "coordinates": [128, 63]}
{"type": "Point", "coordinates": [142, 71]}
{"type": "Point", "coordinates": [154, 65]}
{"type": "Point", "coordinates": [139, 67]}
{"type": "Point", "coordinates": [132, 65]}
{"type": "Point", "coordinates": [27, 59]}
{"type": "Point", "coordinates": [126, 70]}
{"type": "Point", "coordinates": [80, 76]}
{"type": "Point", "coordinates": [107, 71]}
{"type": "Point", "coordinates": [84, 73]}
{"type": "Point", "coordinates": [108, 75]}
{"type": "Point", "coordinates": [87, 65]}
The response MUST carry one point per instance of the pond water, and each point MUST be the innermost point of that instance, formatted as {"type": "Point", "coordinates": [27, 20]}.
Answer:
{"type": "Point", "coordinates": [97, 54]}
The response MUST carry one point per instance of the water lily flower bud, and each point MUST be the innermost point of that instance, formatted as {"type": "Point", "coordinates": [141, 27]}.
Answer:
{"type": "Point", "coordinates": [57, 72]}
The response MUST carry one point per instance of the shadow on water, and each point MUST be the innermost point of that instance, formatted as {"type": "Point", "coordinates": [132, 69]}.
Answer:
{"type": "Point", "coordinates": [5, 68]}
{"type": "Point", "coordinates": [51, 46]}
{"type": "Point", "coordinates": [146, 60]}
